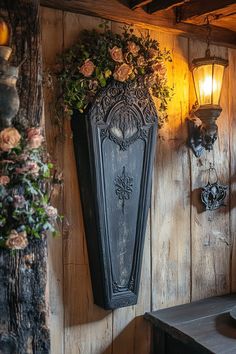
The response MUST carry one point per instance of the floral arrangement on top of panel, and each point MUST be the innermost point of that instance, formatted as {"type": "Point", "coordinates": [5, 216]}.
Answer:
{"type": "Point", "coordinates": [101, 56]}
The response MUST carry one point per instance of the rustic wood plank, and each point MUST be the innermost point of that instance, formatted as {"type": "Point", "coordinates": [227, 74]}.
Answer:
{"type": "Point", "coordinates": [88, 328]}
{"type": "Point", "coordinates": [138, 3]}
{"type": "Point", "coordinates": [118, 11]}
{"type": "Point", "coordinates": [232, 200]}
{"type": "Point", "coordinates": [163, 5]}
{"type": "Point", "coordinates": [205, 326]}
{"type": "Point", "coordinates": [132, 335]}
{"type": "Point", "coordinates": [170, 213]}
{"type": "Point", "coordinates": [210, 230]}
{"type": "Point", "coordinates": [52, 44]}
{"type": "Point", "coordinates": [196, 8]}
{"type": "Point", "coordinates": [23, 274]}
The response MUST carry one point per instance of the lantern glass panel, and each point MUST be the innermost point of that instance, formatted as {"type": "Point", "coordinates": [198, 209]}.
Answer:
{"type": "Point", "coordinates": [218, 73]}
{"type": "Point", "coordinates": [208, 80]}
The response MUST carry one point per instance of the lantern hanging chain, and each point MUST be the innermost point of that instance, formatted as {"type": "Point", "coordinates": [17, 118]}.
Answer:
{"type": "Point", "coordinates": [208, 39]}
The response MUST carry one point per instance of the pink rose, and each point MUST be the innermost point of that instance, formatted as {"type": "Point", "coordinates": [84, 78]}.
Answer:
{"type": "Point", "coordinates": [87, 68]}
{"type": "Point", "coordinates": [9, 139]}
{"type": "Point", "coordinates": [4, 180]}
{"type": "Point", "coordinates": [17, 241]}
{"type": "Point", "coordinates": [122, 72]}
{"type": "Point", "coordinates": [116, 54]}
{"type": "Point", "coordinates": [140, 61]}
{"type": "Point", "coordinates": [34, 137]}
{"type": "Point", "coordinates": [133, 48]}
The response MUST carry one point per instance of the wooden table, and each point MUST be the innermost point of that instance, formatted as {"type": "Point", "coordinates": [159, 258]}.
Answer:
{"type": "Point", "coordinates": [203, 326]}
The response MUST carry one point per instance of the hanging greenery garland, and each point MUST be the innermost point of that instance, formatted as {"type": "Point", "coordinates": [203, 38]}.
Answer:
{"type": "Point", "coordinates": [102, 56]}
{"type": "Point", "coordinates": [26, 178]}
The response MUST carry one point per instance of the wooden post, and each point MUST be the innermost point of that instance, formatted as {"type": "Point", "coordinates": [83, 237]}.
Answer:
{"type": "Point", "coordinates": [23, 274]}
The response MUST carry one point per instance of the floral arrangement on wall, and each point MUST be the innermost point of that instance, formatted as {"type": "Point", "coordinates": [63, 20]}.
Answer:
{"type": "Point", "coordinates": [25, 188]}
{"type": "Point", "coordinates": [101, 56]}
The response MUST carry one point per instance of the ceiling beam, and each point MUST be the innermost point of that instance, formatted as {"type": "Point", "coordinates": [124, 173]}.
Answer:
{"type": "Point", "coordinates": [138, 3]}
{"type": "Point", "coordinates": [115, 10]}
{"type": "Point", "coordinates": [197, 8]}
{"type": "Point", "coordinates": [163, 5]}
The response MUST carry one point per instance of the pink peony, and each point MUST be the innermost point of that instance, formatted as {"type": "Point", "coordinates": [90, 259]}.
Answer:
{"type": "Point", "coordinates": [9, 139]}
{"type": "Point", "coordinates": [34, 137]}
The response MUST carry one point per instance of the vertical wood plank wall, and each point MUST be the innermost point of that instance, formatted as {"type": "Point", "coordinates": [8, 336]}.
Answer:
{"type": "Point", "coordinates": [189, 254]}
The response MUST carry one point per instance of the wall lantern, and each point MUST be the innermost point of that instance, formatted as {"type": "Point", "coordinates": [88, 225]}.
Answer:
{"type": "Point", "coordinates": [208, 73]}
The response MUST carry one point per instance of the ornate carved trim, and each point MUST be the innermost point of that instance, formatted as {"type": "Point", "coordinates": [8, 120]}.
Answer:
{"type": "Point", "coordinates": [121, 132]}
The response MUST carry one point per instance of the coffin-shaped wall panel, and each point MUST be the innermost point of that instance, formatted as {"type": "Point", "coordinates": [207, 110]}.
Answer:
{"type": "Point", "coordinates": [114, 146]}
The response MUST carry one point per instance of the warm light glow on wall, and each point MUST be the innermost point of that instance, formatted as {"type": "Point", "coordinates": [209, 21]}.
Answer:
{"type": "Point", "coordinates": [4, 33]}
{"type": "Point", "coordinates": [208, 74]}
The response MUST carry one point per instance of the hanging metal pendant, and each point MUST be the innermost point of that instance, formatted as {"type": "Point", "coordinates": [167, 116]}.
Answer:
{"type": "Point", "coordinates": [213, 194]}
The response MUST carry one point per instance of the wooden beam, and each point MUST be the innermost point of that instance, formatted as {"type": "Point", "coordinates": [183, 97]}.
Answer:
{"type": "Point", "coordinates": [164, 20]}
{"type": "Point", "coordinates": [23, 274]}
{"type": "Point", "coordinates": [158, 5]}
{"type": "Point", "coordinates": [138, 3]}
{"type": "Point", "coordinates": [198, 8]}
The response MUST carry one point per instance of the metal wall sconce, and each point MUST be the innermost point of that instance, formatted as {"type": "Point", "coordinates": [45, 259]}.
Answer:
{"type": "Point", "coordinates": [208, 73]}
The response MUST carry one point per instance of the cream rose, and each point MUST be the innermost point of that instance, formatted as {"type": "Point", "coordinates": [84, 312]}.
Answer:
{"type": "Point", "coordinates": [4, 180]}
{"type": "Point", "coordinates": [116, 54]}
{"type": "Point", "coordinates": [133, 48]}
{"type": "Point", "coordinates": [87, 68]}
{"type": "Point", "coordinates": [122, 72]}
{"type": "Point", "coordinates": [9, 139]}
{"type": "Point", "coordinates": [51, 211]}
{"type": "Point", "coordinates": [17, 241]}
{"type": "Point", "coordinates": [34, 137]}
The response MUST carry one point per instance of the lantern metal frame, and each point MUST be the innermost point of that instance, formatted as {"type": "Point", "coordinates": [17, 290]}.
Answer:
{"type": "Point", "coordinates": [203, 136]}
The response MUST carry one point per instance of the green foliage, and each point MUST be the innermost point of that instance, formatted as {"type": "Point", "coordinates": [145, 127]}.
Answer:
{"type": "Point", "coordinates": [93, 62]}
{"type": "Point", "coordinates": [26, 180]}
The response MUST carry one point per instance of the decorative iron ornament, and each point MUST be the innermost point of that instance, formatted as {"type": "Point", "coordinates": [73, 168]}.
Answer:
{"type": "Point", "coordinates": [124, 184]}
{"type": "Point", "coordinates": [213, 194]}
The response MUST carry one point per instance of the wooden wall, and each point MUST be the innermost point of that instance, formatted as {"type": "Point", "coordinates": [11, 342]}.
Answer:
{"type": "Point", "coordinates": [189, 254]}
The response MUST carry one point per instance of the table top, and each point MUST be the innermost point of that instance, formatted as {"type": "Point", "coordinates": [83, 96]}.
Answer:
{"type": "Point", "coordinates": [206, 323]}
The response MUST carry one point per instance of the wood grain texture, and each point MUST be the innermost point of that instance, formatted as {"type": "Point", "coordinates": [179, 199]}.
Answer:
{"type": "Point", "coordinates": [52, 44]}
{"type": "Point", "coordinates": [210, 230]}
{"type": "Point", "coordinates": [23, 274]}
{"type": "Point", "coordinates": [119, 11]}
{"type": "Point", "coordinates": [170, 212]}
{"type": "Point", "coordinates": [232, 200]}
{"type": "Point", "coordinates": [185, 253]}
